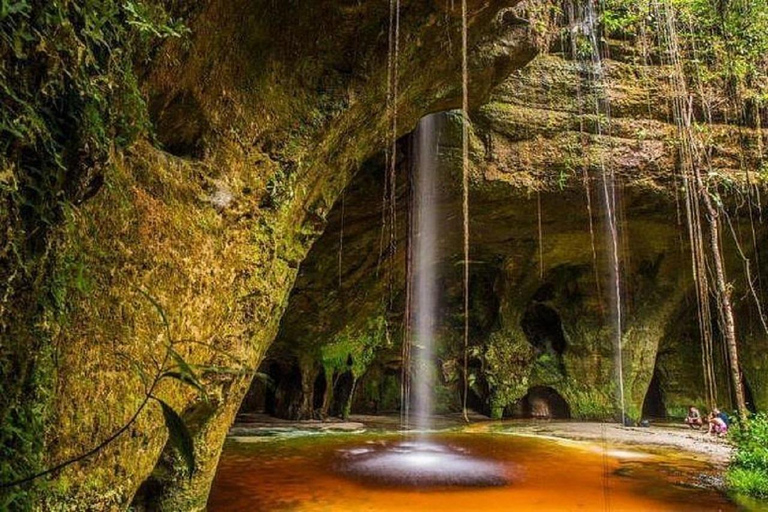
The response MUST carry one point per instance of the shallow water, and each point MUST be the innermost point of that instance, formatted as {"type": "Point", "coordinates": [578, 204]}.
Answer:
{"type": "Point", "coordinates": [323, 473]}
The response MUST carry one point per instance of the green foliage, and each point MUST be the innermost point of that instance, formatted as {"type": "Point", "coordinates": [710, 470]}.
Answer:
{"type": "Point", "coordinates": [748, 472]}
{"type": "Point", "coordinates": [70, 93]}
{"type": "Point", "coordinates": [353, 350]}
{"type": "Point", "coordinates": [69, 96]}
{"type": "Point", "coordinates": [21, 433]}
{"type": "Point", "coordinates": [676, 412]}
{"type": "Point", "coordinates": [582, 46]}
{"type": "Point", "coordinates": [179, 436]}
{"type": "Point", "coordinates": [280, 187]}
{"type": "Point", "coordinates": [748, 481]}
{"type": "Point", "coordinates": [547, 368]}
{"type": "Point", "coordinates": [720, 42]}
{"type": "Point", "coordinates": [543, 18]}
{"type": "Point", "coordinates": [181, 371]}
{"type": "Point", "coordinates": [21, 446]}
{"type": "Point", "coordinates": [589, 404]}
{"type": "Point", "coordinates": [621, 18]}
{"type": "Point", "coordinates": [184, 373]}
{"type": "Point", "coordinates": [178, 432]}
{"type": "Point", "coordinates": [730, 37]}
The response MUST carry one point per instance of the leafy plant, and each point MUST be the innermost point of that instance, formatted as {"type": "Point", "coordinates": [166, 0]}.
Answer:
{"type": "Point", "coordinates": [69, 92]}
{"type": "Point", "coordinates": [179, 435]}
{"type": "Point", "coordinates": [621, 18]}
{"type": "Point", "coordinates": [748, 472]}
{"type": "Point", "coordinates": [280, 187]}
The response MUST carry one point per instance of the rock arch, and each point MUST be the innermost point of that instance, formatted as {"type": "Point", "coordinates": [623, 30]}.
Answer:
{"type": "Point", "coordinates": [544, 402]}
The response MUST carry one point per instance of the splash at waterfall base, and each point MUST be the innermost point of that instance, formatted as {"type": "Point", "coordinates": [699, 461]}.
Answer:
{"type": "Point", "coordinates": [420, 464]}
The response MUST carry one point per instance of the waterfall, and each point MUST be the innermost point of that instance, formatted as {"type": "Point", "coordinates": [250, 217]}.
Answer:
{"type": "Point", "coordinates": [424, 275]}
{"type": "Point", "coordinates": [608, 178]}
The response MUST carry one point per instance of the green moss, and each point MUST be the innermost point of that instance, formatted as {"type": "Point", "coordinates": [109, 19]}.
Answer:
{"type": "Point", "coordinates": [70, 97]}
{"type": "Point", "coordinates": [506, 363]}
{"type": "Point", "coordinates": [358, 346]}
{"type": "Point", "coordinates": [590, 404]}
{"type": "Point", "coordinates": [354, 349]}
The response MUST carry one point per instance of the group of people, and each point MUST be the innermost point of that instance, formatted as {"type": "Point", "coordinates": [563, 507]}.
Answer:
{"type": "Point", "coordinates": [717, 421]}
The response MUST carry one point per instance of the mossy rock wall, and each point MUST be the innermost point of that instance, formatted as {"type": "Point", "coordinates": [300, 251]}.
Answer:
{"type": "Point", "coordinates": [529, 156]}
{"type": "Point", "coordinates": [262, 115]}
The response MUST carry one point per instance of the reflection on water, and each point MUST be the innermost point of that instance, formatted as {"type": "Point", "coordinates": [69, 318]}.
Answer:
{"type": "Point", "coordinates": [376, 472]}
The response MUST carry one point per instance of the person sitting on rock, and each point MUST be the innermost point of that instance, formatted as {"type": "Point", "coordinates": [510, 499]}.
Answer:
{"type": "Point", "coordinates": [716, 425]}
{"type": "Point", "coordinates": [693, 419]}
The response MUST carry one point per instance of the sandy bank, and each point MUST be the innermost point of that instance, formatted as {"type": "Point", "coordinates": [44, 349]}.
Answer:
{"type": "Point", "coordinates": [664, 437]}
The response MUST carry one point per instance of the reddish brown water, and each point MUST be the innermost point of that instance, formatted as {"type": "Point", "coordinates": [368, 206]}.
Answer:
{"type": "Point", "coordinates": [306, 474]}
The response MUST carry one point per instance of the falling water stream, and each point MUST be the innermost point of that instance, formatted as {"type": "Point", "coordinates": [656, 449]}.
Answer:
{"type": "Point", "coordinates": [419, 459]}
{"type": "Point", "coordinates": [425, 233]}
{"type": "Point", "coordinates": [608, 179]}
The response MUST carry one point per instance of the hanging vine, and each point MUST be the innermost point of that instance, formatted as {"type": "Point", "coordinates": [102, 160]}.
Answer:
{"type": "Point", "coordinates": [465, 192]}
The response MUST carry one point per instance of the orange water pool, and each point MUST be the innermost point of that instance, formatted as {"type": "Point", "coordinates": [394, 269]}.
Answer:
{"type": "Point", "coordinates": [306, 474]}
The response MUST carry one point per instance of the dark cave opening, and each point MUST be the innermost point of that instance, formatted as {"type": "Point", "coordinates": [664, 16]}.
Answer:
{"type": "Point", "coordinates": [749, 396]}
{"type": "Point", "coordinates": [318, 392]}
{"type": "Point", "coordinates": [270, 395]}
{"type": "Point", "coordinates": [653, 404]}
{"type": "Point", "coordinates": [543, 328]}
{"type": "Point", "coordinates": [543, 402]}
{"type": "Point", "coordinates": [476, 403]}
{"type": "Point", "coordinates": [258, 396]}
{"type": "Point", "coordinates": [282, 391]}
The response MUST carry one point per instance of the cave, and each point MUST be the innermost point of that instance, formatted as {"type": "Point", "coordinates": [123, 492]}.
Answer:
{"type": "Point", "coordinates": [653, 404]}
{"type": "Point", "coordinates": [189, 190]}
{"type": "Point", "coordinates": [475, 402]}
{"type": "Point", "coordinates": [542, 402]}
{"type": "Point", "coordinates": [260, 398]}
{"type": "Point", "coordinates": [749, 396]}
{"type": "Point", "coordinates": [318, 391]}
{"type": "Point", "coordinates": [283, 391]}
{"type": "Point", "coordinates": [270, 399]}
{"type": "Point", "coordinates": [543, 328]}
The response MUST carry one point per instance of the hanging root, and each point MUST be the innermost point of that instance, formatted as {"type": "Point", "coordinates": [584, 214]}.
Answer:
{"type": "Point", "coordinates": [465, 193]}
{"type": "Point", "coordinates": [697, 198]}
{"type": "Point", "coordinates": [541, 237]}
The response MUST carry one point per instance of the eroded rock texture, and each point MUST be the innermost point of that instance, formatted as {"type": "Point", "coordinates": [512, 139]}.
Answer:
{"type": "Point", "coordinates": [541, 292]}
{"type": "Point", "coordinates": [264, 112]}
